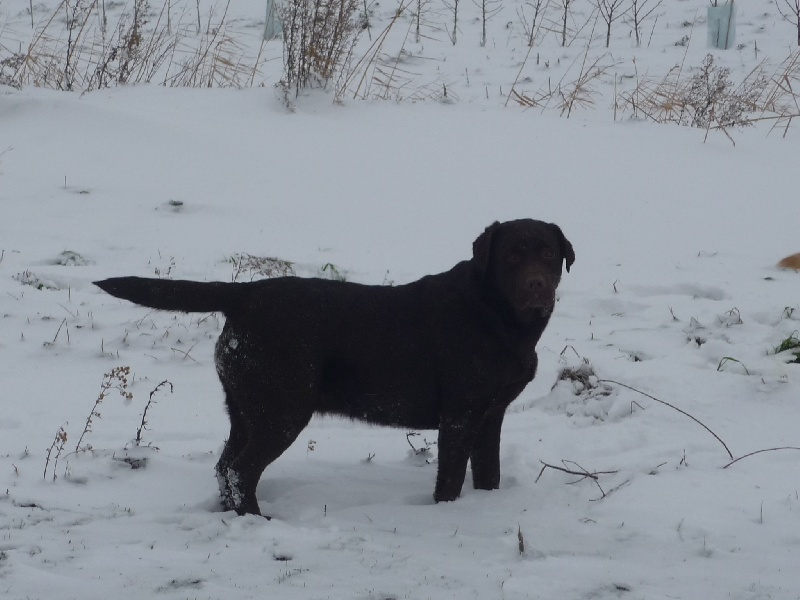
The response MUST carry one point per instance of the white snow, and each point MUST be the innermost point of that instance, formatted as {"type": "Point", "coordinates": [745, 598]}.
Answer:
{"type": "Point", "coordinates": [673, 292]}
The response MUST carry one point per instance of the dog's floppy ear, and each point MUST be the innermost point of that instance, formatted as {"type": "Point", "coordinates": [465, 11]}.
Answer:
{"type": "Point", "coordinates": [482, 248]}
{"type": "Point", "coordinates": [566, 248]}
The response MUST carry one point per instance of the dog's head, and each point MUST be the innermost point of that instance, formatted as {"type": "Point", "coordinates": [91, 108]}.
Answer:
{"type": "Point", "coordinates": [520, 262]}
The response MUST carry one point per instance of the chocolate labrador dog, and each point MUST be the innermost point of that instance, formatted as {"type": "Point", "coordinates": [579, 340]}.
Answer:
{"type": "Point", "coordinates": [450, 352]}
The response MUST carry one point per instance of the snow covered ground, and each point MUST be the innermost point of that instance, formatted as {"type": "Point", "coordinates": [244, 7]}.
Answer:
{"type": "Point", "coordinates": [674, 293]}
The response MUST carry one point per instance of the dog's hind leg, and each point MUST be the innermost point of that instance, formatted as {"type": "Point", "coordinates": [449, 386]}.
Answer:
{"type": "Point", "coordinates": [236, 442]}
{"type": "Point", "coordinates": [268, 436]}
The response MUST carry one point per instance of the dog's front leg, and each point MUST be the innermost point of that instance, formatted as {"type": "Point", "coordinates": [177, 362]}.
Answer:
{"type": "Point", "coordinates": [456, 437]}
{"type": "Point", "coordinates": [485, 457]}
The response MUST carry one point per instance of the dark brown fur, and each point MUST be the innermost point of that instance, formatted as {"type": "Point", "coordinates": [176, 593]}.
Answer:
{"type": "Point", "coordinates": [448, 352]}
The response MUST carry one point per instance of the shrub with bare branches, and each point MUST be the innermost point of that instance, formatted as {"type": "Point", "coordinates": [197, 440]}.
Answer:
{"type": "Point", "coordinates": [531, 23]}
{"type": "Point", "coordinates": [565, 5]}
{"type": "Point", "coordinates": [712, 98]}
{"type": "Point", "coordinates": [610, 11]}
{"type": "Point", "coordinates": [489, 9]}
{"type": "Point", "coordinates": [318, 37]}
{"type": "Point", "coordinates": [639, 11]}
{"type": "Point", "coordinates": [791, 12]}
{"type": "Point", "coordinates": [452, 7]}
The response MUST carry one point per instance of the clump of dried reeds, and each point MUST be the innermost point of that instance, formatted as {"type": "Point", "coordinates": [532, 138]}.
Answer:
{"type": "Point", "coordinates": [709, 99]}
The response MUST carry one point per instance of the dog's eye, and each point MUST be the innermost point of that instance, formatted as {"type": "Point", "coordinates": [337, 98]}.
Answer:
{"type": "Point", "coordinates": [513, 257]}
{"type": "Point", "coordinates": [548, 253]}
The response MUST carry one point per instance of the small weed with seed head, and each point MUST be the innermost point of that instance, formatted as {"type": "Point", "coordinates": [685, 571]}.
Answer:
{"type": "Point", "coordinates": [259, 266]}
{"type": "Point", "coordinates": [116, 379]}
{"type": "Point", "coordinates": [150, 402]}
{"type": "Point", "coordinates": [55, 450]}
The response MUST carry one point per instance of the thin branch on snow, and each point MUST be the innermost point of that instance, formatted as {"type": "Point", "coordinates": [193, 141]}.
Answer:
{"type": "Point", "coordinates": [759, 452]}
{"type": "Point", "coordinates": [580, 472]}
{"type": "Point", "coordinates": [672, 406]}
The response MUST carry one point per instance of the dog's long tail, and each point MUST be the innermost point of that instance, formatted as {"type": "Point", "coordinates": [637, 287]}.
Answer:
{"type": "Point", "coordinates": [166, 294]}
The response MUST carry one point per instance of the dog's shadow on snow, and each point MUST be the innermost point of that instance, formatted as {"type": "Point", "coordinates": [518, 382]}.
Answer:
{"type": "Point", "coordinates": [343, 487]}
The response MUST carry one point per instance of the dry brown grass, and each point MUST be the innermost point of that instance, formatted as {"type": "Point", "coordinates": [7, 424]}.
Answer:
{"type": "Point", "coordinates": [77, 49]}
{"type": "Point", "coordinates": [318, 38]}
{"type": "Point", "coordinates": [567, 95]}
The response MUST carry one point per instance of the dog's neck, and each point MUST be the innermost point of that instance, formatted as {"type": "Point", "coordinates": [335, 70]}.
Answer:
{"type": "Point", "coordinates": [484, 299]}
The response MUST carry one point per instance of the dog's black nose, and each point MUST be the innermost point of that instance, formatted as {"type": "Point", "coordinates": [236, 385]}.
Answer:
{"type": "Point", "coordinates": [537, 283]}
